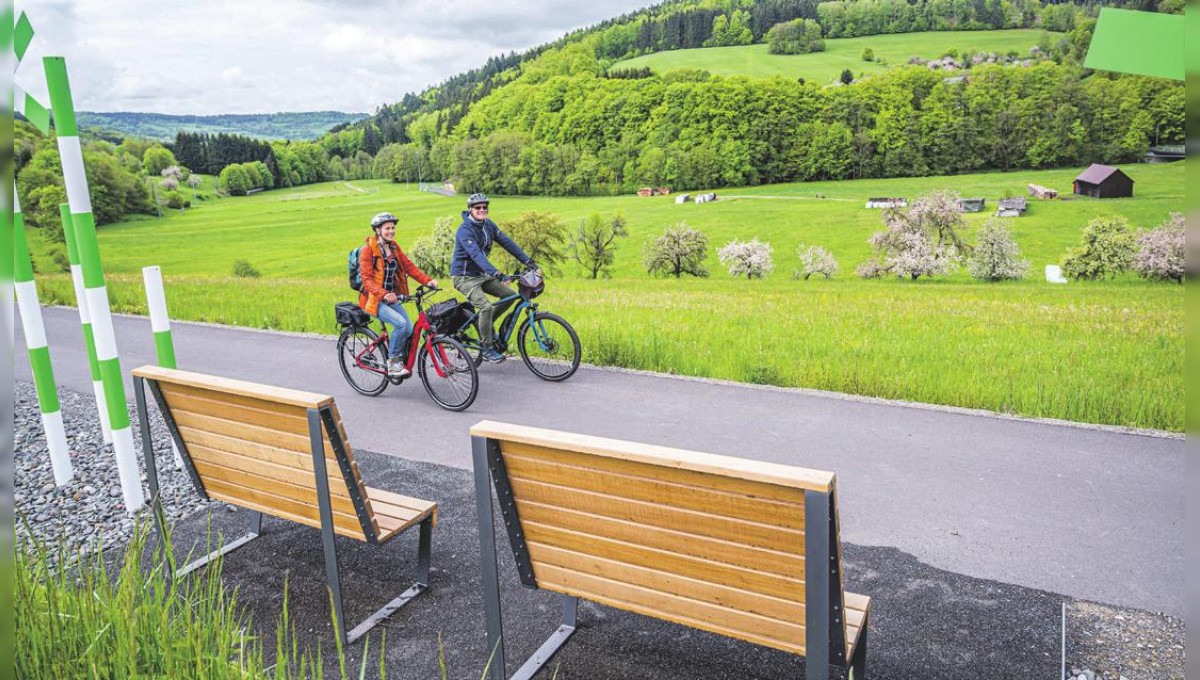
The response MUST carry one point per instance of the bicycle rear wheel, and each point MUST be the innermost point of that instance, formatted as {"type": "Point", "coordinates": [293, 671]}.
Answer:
{"type": "Point", "coordinates": [448, 373]}
{"type": "Point", "coordinates": [552, 350]}
{"type": "Point", "coordinates": [364, 366]}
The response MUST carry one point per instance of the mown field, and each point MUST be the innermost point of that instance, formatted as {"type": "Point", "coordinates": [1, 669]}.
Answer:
{"type": "Point", "coordinates": [840, 53]}
{"type": "Point", "coordinates": [1107, 352]}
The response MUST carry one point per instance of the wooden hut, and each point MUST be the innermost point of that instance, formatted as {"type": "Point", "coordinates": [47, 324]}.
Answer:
{"type": "Point", "coordinates": [1103, 181]}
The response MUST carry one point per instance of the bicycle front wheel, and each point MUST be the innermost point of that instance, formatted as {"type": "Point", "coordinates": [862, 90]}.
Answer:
{"type": "Point", "coordinates": [363, 362]}
{"type": "Point", "coordinates": [549, 347]}
{"type": "Point", "coordinates": [448, 373]}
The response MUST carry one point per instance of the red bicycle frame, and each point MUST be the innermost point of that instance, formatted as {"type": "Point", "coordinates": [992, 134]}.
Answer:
{"type": "Point", "coordinates": [420, 328]}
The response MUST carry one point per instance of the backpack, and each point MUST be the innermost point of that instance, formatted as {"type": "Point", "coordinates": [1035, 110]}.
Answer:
{"type": "Point", "coordinates": [355, 275]}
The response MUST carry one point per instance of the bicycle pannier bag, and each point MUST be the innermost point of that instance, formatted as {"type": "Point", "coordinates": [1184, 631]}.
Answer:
{"type": "Point", "coordinates": [448, 316]}
{"type": "Point", "coordinates": [350, 314]}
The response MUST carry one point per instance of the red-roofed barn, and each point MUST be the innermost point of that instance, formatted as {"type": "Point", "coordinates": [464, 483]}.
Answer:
{"type": "Point", "coordinates": [1103, 181]}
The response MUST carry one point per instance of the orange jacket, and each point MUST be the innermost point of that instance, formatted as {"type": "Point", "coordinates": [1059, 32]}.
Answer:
{"type": "Point", "coordinates": [371, 267]}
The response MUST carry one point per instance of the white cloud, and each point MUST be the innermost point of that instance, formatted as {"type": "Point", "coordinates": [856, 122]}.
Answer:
{"type": "Point", "coordinates": [230, 56]}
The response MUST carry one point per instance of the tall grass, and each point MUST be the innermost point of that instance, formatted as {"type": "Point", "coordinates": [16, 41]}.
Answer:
{"type": "Point", "coordinates": [87, 621]}
{"type": "Point", "coordinates": [1102, 353]}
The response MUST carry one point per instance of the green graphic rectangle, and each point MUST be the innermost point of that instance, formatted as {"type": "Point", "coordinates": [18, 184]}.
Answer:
{"type": "Point", "coordinates": [1141, 43]}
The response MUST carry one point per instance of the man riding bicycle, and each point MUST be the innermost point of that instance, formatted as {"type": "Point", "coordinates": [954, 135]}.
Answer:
{"type": "Point", "coordinates": [474, 276]}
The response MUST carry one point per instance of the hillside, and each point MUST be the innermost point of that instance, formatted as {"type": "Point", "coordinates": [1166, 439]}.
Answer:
{"type": "Point", "coordinates": [840, 53]}
{"type": "Point", "coordinates": [161, 126]}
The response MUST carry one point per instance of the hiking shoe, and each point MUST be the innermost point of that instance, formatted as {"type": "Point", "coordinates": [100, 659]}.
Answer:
{"type": "Point", "coordinates": [396, 368]}
{"type": "Point", "coordinates": [490, 354]}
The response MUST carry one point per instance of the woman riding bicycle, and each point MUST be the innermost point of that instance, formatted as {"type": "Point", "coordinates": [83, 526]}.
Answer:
{"type": "Point", "coordinates": [385, 269]}
{"type": "Point", "coordinates": [474, 276]}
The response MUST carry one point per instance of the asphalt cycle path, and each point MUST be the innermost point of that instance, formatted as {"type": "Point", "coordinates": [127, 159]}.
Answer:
{"type": "Point", "coordinates": [1091, 513]}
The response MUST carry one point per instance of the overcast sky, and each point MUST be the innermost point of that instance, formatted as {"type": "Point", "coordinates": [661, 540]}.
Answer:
{"type": "Point", "coordinates": [260, 56]}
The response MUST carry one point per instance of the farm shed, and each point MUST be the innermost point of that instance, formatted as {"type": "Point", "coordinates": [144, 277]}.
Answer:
{"type": "Point", "coordinates": [1103, 181]}
{"type": "Point", "coordinates": [1011, 207]}
{"type": "Point", "coordinates": [682, 198]}
{"type": "Point", "coordinates": [887, 202]}
{"type": "Point", "coordinates": [971, 204]}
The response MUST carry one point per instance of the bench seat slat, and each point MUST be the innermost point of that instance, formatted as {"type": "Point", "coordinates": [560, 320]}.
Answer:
{"type": "Point", "coordinates": [395, 513]}
{"type": "Point", "coordinates": [644, 512]}
{"type": "Point", "coordinates": [691, 567]}
{"type": "Point", "coordinates": [660, 492]}
{"type": "Point", "coordinates": [292, 492]}
{"type": "Point", "coordinates": [673, 541]}
{"type": "Point", "coordinates": [234, 387]}
{"type": "Point", "coordinates": [715, 465]}
{"type": "Point", "coordinates": [287, 508]}
{"type": "Point", "coordinates": [249, 411]}
{"type": "Point", "coordinates": [726, 621]}
{"type": "Point", "coordinates": [685, 478]}
{"type": "Point", "coordinates": [673, 583]}
{"type": "Point", "coordinates": [254, 466]}
{"type": "Point", "coordinates": [287, 441]}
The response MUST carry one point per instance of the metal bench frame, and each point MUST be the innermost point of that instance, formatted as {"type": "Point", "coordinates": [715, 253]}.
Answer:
{"type": "Point", "coordinates": [825, 645]}
{"type": "Point", "coordinates": [320, 421]}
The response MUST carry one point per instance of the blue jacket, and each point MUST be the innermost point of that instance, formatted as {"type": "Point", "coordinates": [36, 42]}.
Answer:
{"type": "Point", "coordinates": [472, 244]}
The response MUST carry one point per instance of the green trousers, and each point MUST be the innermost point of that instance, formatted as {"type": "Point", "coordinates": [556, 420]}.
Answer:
{"type": "Point", "coordinates": [477, 289]}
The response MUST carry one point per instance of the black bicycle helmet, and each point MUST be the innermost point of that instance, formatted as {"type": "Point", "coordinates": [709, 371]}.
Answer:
{"type": "Point", "coordinates": [476, 199]}
{"type": "Point", "coordinates": [381, 219]}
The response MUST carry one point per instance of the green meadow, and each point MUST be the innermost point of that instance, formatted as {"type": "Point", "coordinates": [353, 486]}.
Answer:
{"type": "Point", "coordinates": [840, 54]}
{"type": "Point", "coordinates": [1104, 352]}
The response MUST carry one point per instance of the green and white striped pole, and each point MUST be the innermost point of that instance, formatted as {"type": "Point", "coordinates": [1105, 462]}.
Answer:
{"type": "Point", "coordinates": [39, 351]}
{"type": "Point", "coordinates": [75, 181]}
{"type": "Point", "coordinates": [23, 103]}
{"type": "Point", "coordinates": [160, 324]}
{"type": "Point", "coordinates": [85, 319]}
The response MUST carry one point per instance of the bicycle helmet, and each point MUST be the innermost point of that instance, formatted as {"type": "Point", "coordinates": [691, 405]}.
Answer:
{"type": "Point", "coordinates": [381, 219]}
{"type": "Point", "coordinates": [476, 199]}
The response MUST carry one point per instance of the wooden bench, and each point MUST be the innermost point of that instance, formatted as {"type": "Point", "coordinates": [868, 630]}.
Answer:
{"type": "Point", "coordinates": [282, 453]}
{"type": "Point", "coordinates": [742, 548]}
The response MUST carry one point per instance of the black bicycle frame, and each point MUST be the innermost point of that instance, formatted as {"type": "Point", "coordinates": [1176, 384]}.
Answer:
{"type": "Point", "coordinates": [508, 323]}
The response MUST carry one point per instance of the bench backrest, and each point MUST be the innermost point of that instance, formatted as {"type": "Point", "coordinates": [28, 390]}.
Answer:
{"type": "Point", "coordinates": [251, 445]}
{"type": "Point", "coordinates": [712, 542]}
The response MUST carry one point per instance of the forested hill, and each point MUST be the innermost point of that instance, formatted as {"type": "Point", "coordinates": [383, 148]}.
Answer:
{"type": "Point", "coordinates": [682, 24]}
{"type": "Point", "coordinates": [160, 126]}
{"type": "Point", "coordinates": [563, 120]}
